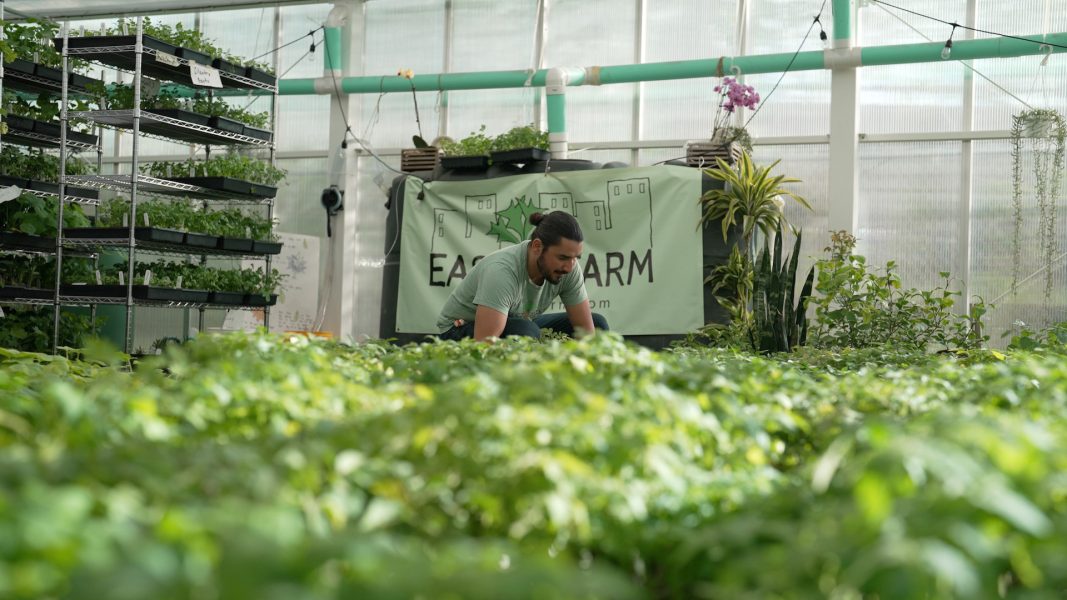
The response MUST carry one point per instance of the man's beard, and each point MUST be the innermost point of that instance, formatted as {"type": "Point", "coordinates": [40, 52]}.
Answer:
{"type": "Point", "coordinates": [544, 272]}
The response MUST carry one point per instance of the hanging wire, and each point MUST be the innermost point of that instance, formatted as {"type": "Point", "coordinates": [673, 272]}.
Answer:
{"type": "Point", "coordinates": [987, 32]}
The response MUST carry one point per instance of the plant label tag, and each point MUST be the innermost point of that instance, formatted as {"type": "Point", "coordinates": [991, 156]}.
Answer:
{"type": "Point", "coordinates": [149, 87]}
{"type": "Point", "coordinates": [148, 277]}
{"type": "Point", "coordinates": [144, 216]}
{"type": "Point", "coordinates": [122, 278]}
{"type": "Point", "coordinates": [178, 283]}
{"type": "Point", "coordinates": [99, 280]}
{"type": "Point", "coordinates": [125, 219]}
{"type": "Point", "coordinates": [1, 312]}
{"type": "Point", "coordinates": [203, 75]}
{"type": "Point", "coordinates": [168, 59]}
{"type": "Point", "coordinates": [248, 232]}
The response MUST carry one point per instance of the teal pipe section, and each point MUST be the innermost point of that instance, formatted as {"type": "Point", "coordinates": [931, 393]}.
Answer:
{"type": "Point", "coordinates": [842, 19]}
{"type": "Point", "coordinates": [686, 69]}
{"type": "Point", "coordinates": [557, 113]}
{"type": "Point", "coordinates": [961, 50]}
{"type": "Point", "coordinates": [332, 60]}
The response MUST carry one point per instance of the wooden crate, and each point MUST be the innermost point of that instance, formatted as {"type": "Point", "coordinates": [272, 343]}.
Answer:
{"type": "Point", "coordinates": [703, 154]}
{"type": "Point", "coordinates": [419, 159]}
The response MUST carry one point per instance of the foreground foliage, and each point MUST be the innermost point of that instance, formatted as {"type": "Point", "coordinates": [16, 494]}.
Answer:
{"type": "Point", "coordinates": [254, 466]}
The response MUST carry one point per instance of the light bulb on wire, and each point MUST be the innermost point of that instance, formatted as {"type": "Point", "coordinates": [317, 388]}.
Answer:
{"type": "Point", "coordinates": [947, 50]}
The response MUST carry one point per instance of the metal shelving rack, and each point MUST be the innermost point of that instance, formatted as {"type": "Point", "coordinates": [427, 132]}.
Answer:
{"type": "Point", "coordinates": [140, 185]}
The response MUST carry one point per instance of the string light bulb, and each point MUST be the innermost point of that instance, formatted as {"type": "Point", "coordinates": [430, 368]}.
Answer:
{"type": "Point", "coordinates": [946, 52]}
{"type": "Point", "coordinates": [822, 34]}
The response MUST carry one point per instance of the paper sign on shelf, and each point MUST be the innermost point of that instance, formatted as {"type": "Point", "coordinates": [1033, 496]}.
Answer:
{"type": "Point", "coordinates": [203, 75]}
{"type": "Point", "coordinates": [168, 59]}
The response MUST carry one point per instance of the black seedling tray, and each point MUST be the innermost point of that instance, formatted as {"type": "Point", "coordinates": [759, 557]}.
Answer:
{"type": "Point", "coordinates": [235, 187]}
{"type": "Point", "coordinates": [23, 241]}
{"type": "Point", "coordinates": [520, 155]}
{"type": "Point", "coordinates": [235, 244]}
{"type": "Point", "coordinates": [201, 240]}
{"type": "Point", "coordinates": [259, 134]}
{"type": "Point", "coordinates": [231, 298]}
{"type": "Point", "coordinates": [228, 67]}
{"type": "Point", "coordinates": [195, 55]}
{"type": "Point", "coordinates": [144, 234]}
{"type": "Point", "coordinates": [264, 247]}
{"type": "Point", "coordinates": [259, 300]}
{"type": "Point", "coordinates": [15, 122]}
{"type": "Point", "coordinates": [465, 162]}
{"type": "Point", "coordinates": [261, 76]}
{"type": "Point", "coordinates": [7, 180]}
{"type": "Point", "coordinates": [140, 292]}
{"type": "Point", "coordinates": [182, 115]}
{"type": "Point", "coordinates": [48, 187]}
{"type": "Point", "coordinates": [49, 129]}
{"type": "Point", "coordinates": [226, 124]}
{"type": "Point", "coordinates": [8, 292]}
{"type": "Point", "coordinates": [20, 66]}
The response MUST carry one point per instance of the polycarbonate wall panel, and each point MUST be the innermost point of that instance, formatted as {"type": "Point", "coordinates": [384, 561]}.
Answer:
{"type": "Point", "coordinates": [489, 35]}
{"type": "Point", "coordinates": [302, 120]}
{"type": "Point", "coordinates": [375, 180]}
{"type": "Point", "coordinates": [401, 35]}
{"type": "Point", "coordinates": [809, 164]}
{"type": "Point", "coordinates": [1014, 84]}
{"type": "Point", "coordinates": [246, 34]}
{"type": "Point", "coordinates": [993, 232]}
{"type": "Point", "coordinates": [909, 209]}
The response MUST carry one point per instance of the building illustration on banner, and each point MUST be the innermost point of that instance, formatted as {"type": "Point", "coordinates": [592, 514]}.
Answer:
{"type": "Point", "coordinates": [510, 225]}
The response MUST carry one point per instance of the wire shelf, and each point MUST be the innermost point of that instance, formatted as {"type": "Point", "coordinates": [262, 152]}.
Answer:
{"type": "Point", "coordinates": [68, 198]}
{"type": "Point", "coordinates": [33, 138]}
{"type": "Point", "coordinates": [177, 65]}
{"type": "Point", "coordinates": [156, 247]}
{"type": "Point", "coordinates": [171, 129]}
{"type": "Point", "coordinates": [112, 300]}
{"type": "Point", "coordinates": [153, 186]}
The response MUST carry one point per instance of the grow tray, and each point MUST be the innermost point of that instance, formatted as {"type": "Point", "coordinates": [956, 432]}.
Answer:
{"type": "Point", "coordinates": [161, 60]}
{"type": "Point", "coordinates": [235, 244]}
{"type": "Point", "coordinates": [520, 155]}
{"type": "Point", "coordinates": [21, 241]}
{"type": "Point", "coordinates": [14, 293]}
{"type": "Point", "coordinates": [28, 132]}
{"type": "Point", "coordinates": [265, 247]}
{"type": "Point", "coordinates": [26, 76]}
{"type": "Point", "coordinates": [173, 124]}
{"type": "Point", "coordinates": [144, 234]}
{"type": "Point", "coordinates": [140, 292]}
{"type": "Point", "coordinates": [465, 162]}
{"type": "Point", "coordinates": [259, 300]}
{"type": "Point", "coordinates": [229, 298]}
{"type": "Point", "coordinates": [229, 186]}
{"type": "Point", "coordinates": [201, 240]}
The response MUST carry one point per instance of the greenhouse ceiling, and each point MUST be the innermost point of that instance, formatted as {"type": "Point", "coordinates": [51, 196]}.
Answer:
{"type": "Point", "coordinates": [57, 9]}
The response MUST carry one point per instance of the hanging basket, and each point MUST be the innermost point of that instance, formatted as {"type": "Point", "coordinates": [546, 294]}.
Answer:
{"type": "Point", "coordinates": [419, 159]}
{"type": "Point", "coordinates": [703, 154]}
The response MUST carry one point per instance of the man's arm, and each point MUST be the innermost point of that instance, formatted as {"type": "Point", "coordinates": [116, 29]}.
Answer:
{"type": "Point", "coordinates": [490, 322]}
{"type": "Point", "coordinates": [581, 318]}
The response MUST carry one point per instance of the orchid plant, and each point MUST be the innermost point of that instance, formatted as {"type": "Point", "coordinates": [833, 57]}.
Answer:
{"type": "Point", "coordinates": [733, 95]}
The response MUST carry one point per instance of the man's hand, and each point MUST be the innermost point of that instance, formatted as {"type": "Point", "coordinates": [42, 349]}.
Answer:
{"type": "Point", "coordinates": [581, 318]}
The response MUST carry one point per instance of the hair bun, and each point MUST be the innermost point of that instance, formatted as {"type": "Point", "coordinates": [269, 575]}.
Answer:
{"type": "Point", "coordinates": [536, 218]}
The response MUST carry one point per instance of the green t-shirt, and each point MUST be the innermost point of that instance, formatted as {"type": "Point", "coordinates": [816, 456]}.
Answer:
{"type": "Point", "coordinates": [501, 282]}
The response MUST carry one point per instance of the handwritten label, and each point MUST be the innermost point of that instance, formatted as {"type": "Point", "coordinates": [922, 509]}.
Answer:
{"type": "Point", "coordinates": [99, 280]}
{"type": "Point", "coordinates": [145, 216]}
{"type": "Point", "coordinates": [148, 277]}
{"type": "Point", "coordinates": [122, 278]}
{"type": "Point", "coordinates": [203, 75]}
{"type": "Point", "coordinates": [178, 282]}
{"type": "Point", "coordinates": [168, 59]}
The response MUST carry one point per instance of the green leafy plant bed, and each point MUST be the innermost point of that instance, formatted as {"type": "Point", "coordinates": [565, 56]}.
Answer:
{"type": "Point", "coordinates": [256, 74]}
{"type": "Point", "coordinates": [146, 234]}
{"type": "Point", "coordinates": [228, 67]}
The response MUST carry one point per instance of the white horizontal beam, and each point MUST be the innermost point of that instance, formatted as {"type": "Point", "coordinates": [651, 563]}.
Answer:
{"type": "Point", "coordinates": [78, 9]}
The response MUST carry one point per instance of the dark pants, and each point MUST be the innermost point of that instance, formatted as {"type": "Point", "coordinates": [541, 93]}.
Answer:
{"type": "Point", "coordinates": [516, 326]}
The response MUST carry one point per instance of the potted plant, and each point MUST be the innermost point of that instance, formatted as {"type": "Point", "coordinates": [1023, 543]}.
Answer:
{"type": "Point", "coordinates": [727, 141]}
{"type": "Point", "coordinates": [1038, 135]}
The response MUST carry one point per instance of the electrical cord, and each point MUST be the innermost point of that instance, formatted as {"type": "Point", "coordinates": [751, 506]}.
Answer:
{"type": "Point", "coordinates": [787, 67]}
{"type": "Point", "coordinates": [975, 29]}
